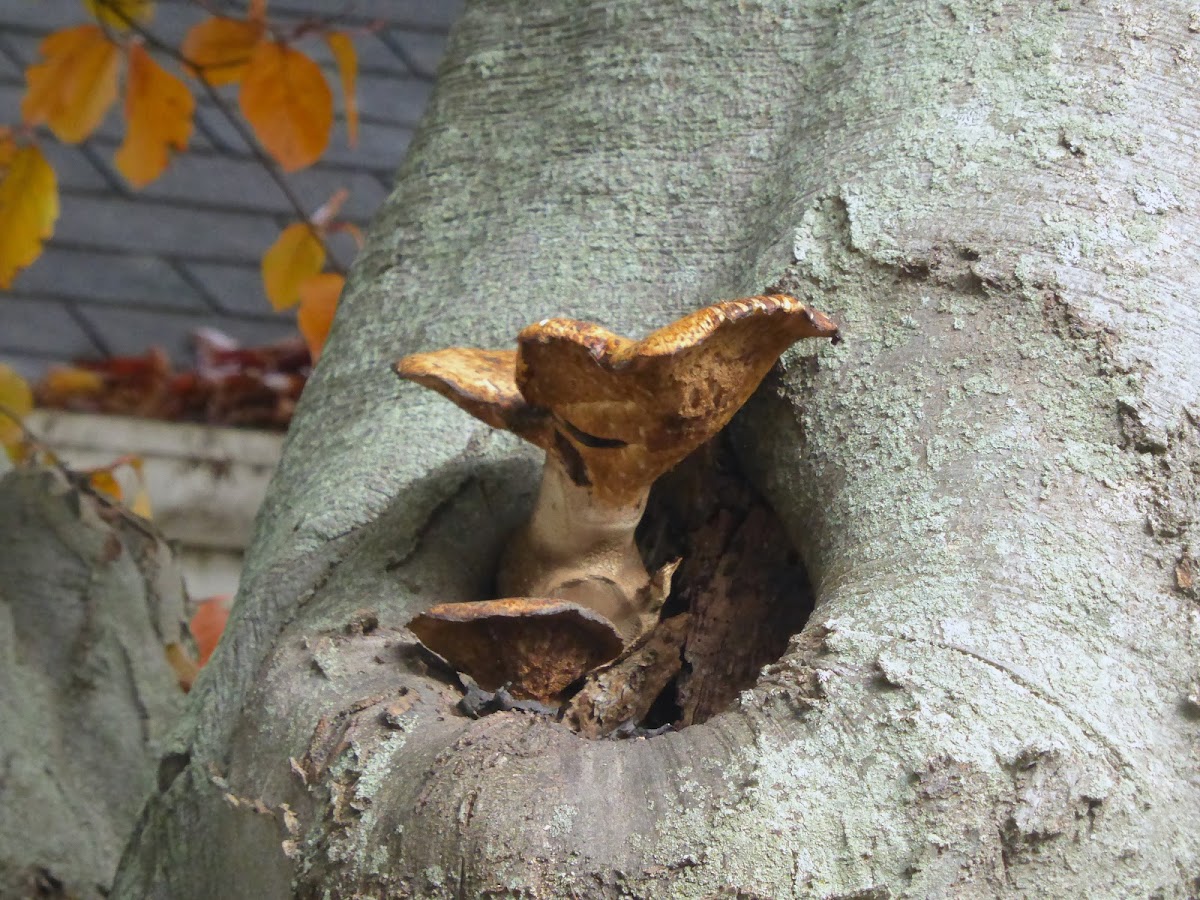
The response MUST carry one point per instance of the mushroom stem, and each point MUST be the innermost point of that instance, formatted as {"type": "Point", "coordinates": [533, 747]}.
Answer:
{"type": "Point", "coordinates": [577, 548]}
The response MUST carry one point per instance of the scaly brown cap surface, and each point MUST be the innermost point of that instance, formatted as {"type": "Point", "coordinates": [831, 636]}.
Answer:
{"type": "Point", "coordinates": [535, 646]}
{"type": "Point", "coordinates": [618, 413]}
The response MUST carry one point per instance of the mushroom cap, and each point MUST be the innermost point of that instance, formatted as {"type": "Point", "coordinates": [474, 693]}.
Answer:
{"type": "Point", "coordinates": [633, 409]}
{"type": "Point", "coordinates": [537, 647]}
{"type": "Point", "coordinates": [617, 412]}
{"type": "Point", "coordinates": [483, 383]}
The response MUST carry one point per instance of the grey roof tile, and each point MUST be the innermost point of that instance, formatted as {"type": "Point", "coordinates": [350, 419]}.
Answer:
{"type": "Point", "coordinates": [433, 16]}
{"type": "Point", "coordinates": [234, 289]}
{"type": "Point", "coordinates": [421, 50]}
{"type": "Point", "coordinates": [136, 280]}
{"type": "Point", "coordinates": [128, 268]}
{"type": "Point", "coordinates": [206, 179]}
{"type": "Point", "coordinates": [42, 16]}
{"type": "Point", "coordinates": [139, 226]}
{"type": "Point", "coordinates": [375, 56]}
{"type": "Point", "coordinates": [74, 167]}
{"type": "Point", "coordinates": [392, 100]}
{"type": "Point", "coordinates": [380, 146]}
{"type": "Point", "coordinates": [131, 332]}
{"type": "Point", "coordinates": [41, 326]}
{"type": "Point", "coordinates": [29, 366]}
{"type": "Point", "coordinates": [11, 68]}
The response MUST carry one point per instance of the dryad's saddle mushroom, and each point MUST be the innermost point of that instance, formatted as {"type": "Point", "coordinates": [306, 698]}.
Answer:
{"type": "Point", "coordinates": [613, 415]}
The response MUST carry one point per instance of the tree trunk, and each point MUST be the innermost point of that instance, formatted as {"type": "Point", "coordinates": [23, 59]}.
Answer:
{"type": "Point", "coordinates": [89, 600]}
{"type": "Point", "coordinates": [993, 482]}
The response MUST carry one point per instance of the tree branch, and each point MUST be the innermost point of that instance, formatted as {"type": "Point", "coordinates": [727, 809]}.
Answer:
{"type": "Point", "coordinates": [244, 133]}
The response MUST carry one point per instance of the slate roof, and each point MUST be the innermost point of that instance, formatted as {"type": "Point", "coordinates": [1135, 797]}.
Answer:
{"type": "Point", "coordinates": [129, 269]}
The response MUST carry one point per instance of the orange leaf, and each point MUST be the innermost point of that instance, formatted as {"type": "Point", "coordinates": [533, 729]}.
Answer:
{"type": "Point", "coordinates": [76, 84]}
{"type": "Point", "coordinates": [141, 500]}
{"type": "Point", "coordinates": [119, 13]}
{"type": "Point", "coordinates": [258, 10]}
{"type": "Point", "coordinates": [17, 399]}
{"type": "Point", "coordinates": [207, 625]}
{"type": "Point", "coordinates": [63, 382]}
{"type": "Point", "coordinates": [347, 64]}
{"type": "Point", "coordinates": [296, 255]}
{"type": "Point", "coordinates": [286, 99]}
{"type": "Point", "coordinates": [219, 49]}
{"type": "Point", "coordinates": [158, 113]}
{"type": "Point", "coordinates": [105, 482]}
{"type": "Point", "coordinates": [8, 147]}
{"type": "Point", "coordinates": [28, 208]}
{"type": "Point", "coordinates": [318, 302]}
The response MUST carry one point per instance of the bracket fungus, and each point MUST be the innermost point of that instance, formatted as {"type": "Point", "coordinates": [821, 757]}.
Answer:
{"type": "Point", "coordinates": [612, 415]}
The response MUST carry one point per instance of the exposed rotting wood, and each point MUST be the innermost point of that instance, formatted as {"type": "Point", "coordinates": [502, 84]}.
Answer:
{"type": "Point", "coordinates": [741, 579]}
{"type": "Point", "coordinates": [624, 691]}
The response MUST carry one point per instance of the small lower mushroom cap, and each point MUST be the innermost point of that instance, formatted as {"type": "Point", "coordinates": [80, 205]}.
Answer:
{"type": "Point", "coordinates": [537, 647]}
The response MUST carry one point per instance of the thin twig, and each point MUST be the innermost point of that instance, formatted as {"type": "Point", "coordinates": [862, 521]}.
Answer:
{"type": "Point", "coordinates": [81, 480]}
{"type": "Point", "coordinates": [246, 135]}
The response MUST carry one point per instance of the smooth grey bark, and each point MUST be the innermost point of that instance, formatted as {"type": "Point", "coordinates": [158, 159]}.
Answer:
{"type": "Point", "coordinates": [993, 482]}
{"type": "Point", "coordinates": [88, 600]}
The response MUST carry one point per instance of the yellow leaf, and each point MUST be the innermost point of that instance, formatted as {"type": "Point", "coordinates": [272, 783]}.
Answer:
{"type": "Point", "coordinates": [295, 256]}
{"type": "Point", "coordinates": [105, 482]}
{"type": "Point", "coordinates": [64, 382]}
{"type": "Point", "coordinates": [75, 85]}
{"type": "Point", "coordinates": [347, 64]}
{"type": "Point", "coordinates": [285, 98]}
{"type": "Point", "coordinates": [28, 208]}
{"type": "Point", "coordinates": [119, 13]}
{"type": "Point", "coordinates": [158, 115]}
{"type": "Point", "coordinates": [141, 504]}
{"type": "Point", "coordinates": [219, 49]}
{"type": "Point", "coordinates": [318, 302]}
{"type": "Point", "coordinates": [16, 399]}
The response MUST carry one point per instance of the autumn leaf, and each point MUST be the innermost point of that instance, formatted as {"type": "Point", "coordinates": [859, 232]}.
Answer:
{"type": "Point", "coordinates": [285, 98]}
{"type": "Point", "coordinates": [318, 302]}
{"type": "Point", "coordinates": [119, 13]}
{"type": "Point", "coordinates": [140, 505]}
{"type": "Point", "coordinates": [105, 482]}
{"type": "Point", "coordinates": [28, 208]}
{"type": "Point", "coordinates": [296, 255]}
{"type": "Point", "coordinates": [8, 147]}
{"type": "Point", "coordinates": [347, 65]}
{"type": "Point", "coordinates": [208, 624]}
{"type": "Point", "coordinates": [158, 113]}
{"type": "Point", "coordinates": [219, 49]}
{"type": "Point", "coordinates": [16, 399]}
{"type": "Point", "coordinates": [75, 85]}
{"type": "Point", "coordinates": [61, 383]}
